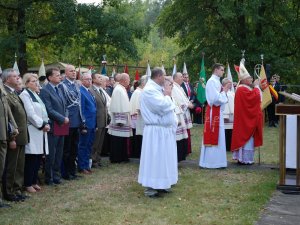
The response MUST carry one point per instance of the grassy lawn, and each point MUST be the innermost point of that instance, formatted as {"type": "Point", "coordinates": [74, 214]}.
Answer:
{"type": "Point", "coordinates": [112, 195]}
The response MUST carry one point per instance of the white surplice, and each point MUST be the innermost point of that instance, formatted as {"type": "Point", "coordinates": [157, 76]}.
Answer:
{"type": "Point", "coordinates": [137, 121]}
{"type": "Point", "coordinates": [215, 156]}
{"type": "Point", "coordinates": [181, 98]}
{"type": "Point", "coordinates": [158, 164]}
{"type": "Point", "coordinates": [120, 113]}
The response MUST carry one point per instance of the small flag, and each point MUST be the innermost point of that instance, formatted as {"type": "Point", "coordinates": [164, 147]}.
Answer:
{"type": "Point", "coordinates": [113, 71]}
{"type": "Point", "coordinates": [137, 76]}
{"type": "Point", "coordinates": [42, 70]}
{"type": "Point", "coordinates": [126, 69]}
{"type": "Point", "coordinates": [237, 69]}
{"type": "Point", "coordinates": [266, 95]}
{"type": "Point", "coordinates": [273, 92]}
{"type": "Point", "coordinates": [16, 68]}
{"type": "Point", "coordinates": [202, 82]}
{"type": "Point", "coordinates": [184, 71]}
{"type": "Point", "coordinates": [163, 69]}
{"type": "Point", "coordinates": [174, 69]}
{"type": "Point", "coordinates": [229, 76]}
{"type": "Point", "coordinates": [148, 71]}
{"type": "Point", "coordinates": [103, 71]}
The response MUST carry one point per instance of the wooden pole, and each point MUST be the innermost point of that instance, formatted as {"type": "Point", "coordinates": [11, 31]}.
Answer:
{"type": "Point", "coordinates": [282, 155]}
{"type": "Point", "coordinates": [298, 153]}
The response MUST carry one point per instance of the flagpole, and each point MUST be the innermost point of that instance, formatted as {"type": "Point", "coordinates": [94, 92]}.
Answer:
{"type": "Point", "coordinates": [259, 156]}
{"type": "Point", "coordinates": [203, 108]}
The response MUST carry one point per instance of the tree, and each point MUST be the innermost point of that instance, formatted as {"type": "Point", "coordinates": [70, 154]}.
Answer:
{"type": "Point", "coordinates": [223, 28]}
{"type": "Point", "coordinates": [25, 20]}
{"type": "Point", "coordinates": [62, 30]}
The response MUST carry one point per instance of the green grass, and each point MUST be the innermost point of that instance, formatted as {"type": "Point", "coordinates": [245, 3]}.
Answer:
{"type": "Point", "coordinates": [268, 152]}
{"type": "Point", "coordinates": [112, 195]}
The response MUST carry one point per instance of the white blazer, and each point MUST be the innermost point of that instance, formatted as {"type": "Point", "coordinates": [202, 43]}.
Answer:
{"type": "Point", "coordinates": [35, 120]}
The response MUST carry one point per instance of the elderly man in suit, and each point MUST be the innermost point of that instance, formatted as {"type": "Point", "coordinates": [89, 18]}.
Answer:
{"type": "Point", "coordinates": [86, 138]}
{"type": "Point", "coordinates": [56, 109]}
{"type": "Point", "coordinates": [5, 117]}
{"type": "Point", "coordinates": [71, 92]}
{"type": "Point", "coordinates": [13, 177]}
{"type": "Point", "coordinates": [101, 105]}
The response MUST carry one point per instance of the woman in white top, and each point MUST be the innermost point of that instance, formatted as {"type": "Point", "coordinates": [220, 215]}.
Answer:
{"type": "Point", "coordinates": [38, 127]}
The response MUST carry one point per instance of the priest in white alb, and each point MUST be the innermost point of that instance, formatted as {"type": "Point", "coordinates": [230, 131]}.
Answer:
{"type": "Point", "coordinates": [119, 127]}
{"type": "Point", "coordinates": [158, 165]}
{"type": "Point", "coordinates": [213, 150]}
{"type": "Point", "coordinates": [137, 123]}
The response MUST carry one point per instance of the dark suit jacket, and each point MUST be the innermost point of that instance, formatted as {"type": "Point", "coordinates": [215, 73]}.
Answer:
{"type": "Point", "coordinates": [20, 116]}
{"type": "Point", "coordinates": [88, 108]}
{"type": "Point", "coordinates": [5, 115]}
{"type": "Point", "coordinates": [73, 110]}
{"type": "Point", "coordinates": [55, 105]}
{"type": "Point", "coordinates": [101, 107]}
{"type": "Point", "coordinates": [192, 97]}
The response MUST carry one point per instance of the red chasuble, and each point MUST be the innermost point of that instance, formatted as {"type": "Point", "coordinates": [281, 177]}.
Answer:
{"type": "Point", "coordinates": [247, 118]}
{"type": "Point", "coordinates": [211, 129]}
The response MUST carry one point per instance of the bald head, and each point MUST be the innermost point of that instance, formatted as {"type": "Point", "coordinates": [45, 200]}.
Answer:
{"type": "Point", "coordinates": [124, 79]}
{"type": "Point", "coordinates": [178, 78]}
{"type": "Point", "coordinates": [70, 72]}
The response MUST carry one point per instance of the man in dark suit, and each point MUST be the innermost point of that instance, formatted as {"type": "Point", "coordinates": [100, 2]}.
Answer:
{"type": "Point", "coordinates": [56, 109]}
{"type": "Point", "coordinates": [189, 91]}
{"type": "Point", "coordinates": [188, 88]}
{"type": "Point", "coordinates": [13, 177]}
{"type": "Point", "coordinates": [100, 98]}
{"type": "Point", "coordinates": [110, 86]}
{"type": "Point", "coordinates": [71, 92]}
{"type": "Point", "coordinates": [5, 117]}
{"type": "Point", "coordinates": [86, 139]}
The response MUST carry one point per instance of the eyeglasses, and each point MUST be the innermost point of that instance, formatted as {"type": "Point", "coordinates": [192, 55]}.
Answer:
{"type": "Point", "coordinates": [89, 79]}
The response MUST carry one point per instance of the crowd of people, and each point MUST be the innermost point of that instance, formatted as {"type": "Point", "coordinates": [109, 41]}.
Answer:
{"type": "Point", "coordinates": [67, 125]}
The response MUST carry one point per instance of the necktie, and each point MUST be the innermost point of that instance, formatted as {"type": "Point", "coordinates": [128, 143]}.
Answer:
{"type": "Point", "coordinates": [102, 95]}
{"type": "Point", "coordinates": [56, 90]}
{"type": "Point", "coordinates": [188, 89]}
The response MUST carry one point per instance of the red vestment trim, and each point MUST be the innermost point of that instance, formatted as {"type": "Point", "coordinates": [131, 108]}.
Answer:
{"type": "Point", "coordinates": [211, 129]}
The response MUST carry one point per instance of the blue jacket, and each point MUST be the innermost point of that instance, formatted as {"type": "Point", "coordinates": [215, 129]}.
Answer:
{"type": "Point", "coordinates": [88, 108]}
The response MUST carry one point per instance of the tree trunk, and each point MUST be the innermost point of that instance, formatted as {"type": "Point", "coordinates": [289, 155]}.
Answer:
{"type": "Point", "coordinates": [21, 39]}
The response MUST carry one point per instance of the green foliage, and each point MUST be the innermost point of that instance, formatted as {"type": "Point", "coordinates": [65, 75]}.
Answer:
{"type": "Point", "coordinates": [222, 29]}
{"type": "Point", "coordinates": [63, 30]}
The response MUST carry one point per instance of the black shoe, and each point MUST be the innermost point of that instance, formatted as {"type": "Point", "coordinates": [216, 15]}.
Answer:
{"type": "Point", "coordinates": [49, 183]}
{"type": "Point", "coordinates": [22, 197]}
{"type": "Point", "coordinates": [75, 176]}
{"type": "Point", "coordinates": [165, 190]}
{"type": "Point", "coordinates": [13, 198]}
{"type": "Point", "coordinates": [3, 205]}
{"type": "Point", "coordinates": [56, 181]}
{"type": "Point", "coordinates": [67, 177]}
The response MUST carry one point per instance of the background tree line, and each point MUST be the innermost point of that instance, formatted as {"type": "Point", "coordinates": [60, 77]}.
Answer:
{"type": "Point", "coordinates": [134, 32]}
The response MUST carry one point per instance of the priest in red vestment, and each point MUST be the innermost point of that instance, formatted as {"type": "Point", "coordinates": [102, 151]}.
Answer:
{"type": "Point", "coordinates": [247, 126]}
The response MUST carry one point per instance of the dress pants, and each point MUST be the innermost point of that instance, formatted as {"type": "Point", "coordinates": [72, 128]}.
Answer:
{"type": "Point", "coordinates": [54, 158]}
{"type": "Point", "coordinates": [70, 152]}
{"type": "Point", "coordinates": [13, 177]}
{"type": "Point", "coordinates": [32, 166]}
{"type": "Point", "coordinates": [106, 144]}
{"type": "Point", "coordinates": [182, 147]}
{"type": "Point", "coordinates": [3, 150]}
{"type": "Point", "coordinates": [85, 149]}
{"type": "Point", "coordinates": [98, 143]}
